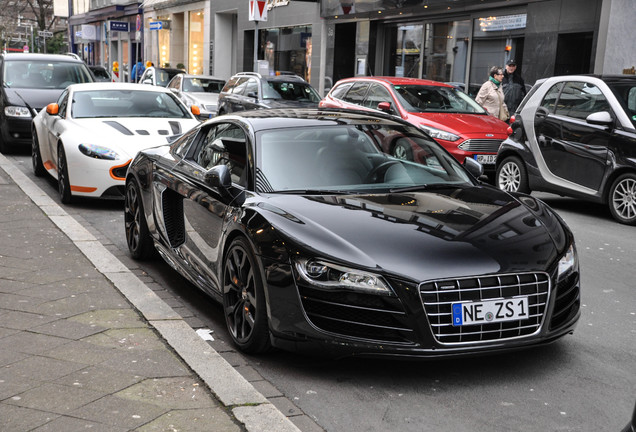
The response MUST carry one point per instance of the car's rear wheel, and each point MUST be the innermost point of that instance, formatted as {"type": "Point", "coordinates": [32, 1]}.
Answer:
{"type": "Point", "coordinates": [138, 236]}
{"type": "Point", "coordinates": [512, 175]}
{"type": "Point", "coordinates": [36, 157]}
{"type": "Point", "coordinates": [622, 199]}
{"type": "Point", "coordinates": [63, 182]}
{"type": "Point", "coordinates": [244, 299]}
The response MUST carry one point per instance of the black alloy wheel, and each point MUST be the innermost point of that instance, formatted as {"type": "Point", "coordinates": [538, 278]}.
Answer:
{"type": "Point", "coordinates": [622, 199]}
{"type": "Point", "coordinates": [138, 237]}
{"type": "Point", "coordinates": [512, 175]}
{"type": "Point", "coordinates": [36, 157]}
{"type": "Point", "coordinates": [63, 183]}
{"type": "Point", "coordinates": [244, 299]}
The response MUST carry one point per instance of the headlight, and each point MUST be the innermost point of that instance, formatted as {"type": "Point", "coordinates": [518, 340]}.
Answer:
{"type": "Point", "coordinates": [567, 263]}
{"type": "Point", "coordinates": [98, 152]}
{"type": "Point", "coordinates": [440, 134]}
{"type": "Point", "coordinates": [332, 276]}
{"type": "Point", "coordinates": [17, 111]}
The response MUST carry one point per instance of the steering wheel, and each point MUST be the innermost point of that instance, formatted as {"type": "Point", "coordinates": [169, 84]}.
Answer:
{"type": "Point", "coordinates": [371, 177]}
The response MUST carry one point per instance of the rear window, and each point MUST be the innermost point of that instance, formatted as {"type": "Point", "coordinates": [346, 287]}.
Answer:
{"type": "Point", "coordinates": [39, 74]}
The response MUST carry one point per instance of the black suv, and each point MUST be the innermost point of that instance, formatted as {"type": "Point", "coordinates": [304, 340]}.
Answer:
{"type": "Point", "coordinates": [250, 90]}
{"type": "Point", "coordinates": [575, 136]}
{"type": "Point", "coordinates": [29, 82]}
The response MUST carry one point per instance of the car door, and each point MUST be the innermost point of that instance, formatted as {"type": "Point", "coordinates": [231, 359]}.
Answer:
{"type": "Point", "coordinates": [236, 99]}
{"type": "Point", "coordinates": [53, 127]}
{"type": "Point", "coordinates": [572, 148]}
{"type": "Point", "coordinates": [200, 209]}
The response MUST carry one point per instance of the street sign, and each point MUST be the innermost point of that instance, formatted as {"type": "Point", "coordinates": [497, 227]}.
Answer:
{"type": "Point", "coordinates": [258, 10]}
{"type": "Point", "coordinates": [156, 25]}
{"type": "Point", "coordinates": [45, 34]}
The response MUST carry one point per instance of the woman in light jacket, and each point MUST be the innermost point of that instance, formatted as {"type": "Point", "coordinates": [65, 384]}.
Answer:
{"type": "Point", "coordinates": [491, 94]}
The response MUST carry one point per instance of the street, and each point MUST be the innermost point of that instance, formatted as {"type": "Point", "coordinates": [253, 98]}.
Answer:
{"type": "Point", "coordinates": [583, 382]}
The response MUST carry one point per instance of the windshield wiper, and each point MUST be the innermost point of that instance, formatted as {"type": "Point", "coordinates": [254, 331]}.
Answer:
{"type": "Point", "coordinates": [421, 187]}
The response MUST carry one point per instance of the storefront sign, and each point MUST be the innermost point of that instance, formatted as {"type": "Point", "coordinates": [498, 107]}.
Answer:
{"type": "Point", "coordinates": [505, 22]}
{"type": "Point", "coordinates": [276, 3]}
{"type": "Point", "coordinates": [119, 26]}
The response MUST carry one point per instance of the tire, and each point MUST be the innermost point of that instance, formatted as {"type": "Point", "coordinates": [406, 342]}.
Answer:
{"type": "Point", "coordinates": [402, 152]}
{"type": "Point", "coordinates": [5, 148]}
{"type": "Point", "coordinates": [36, 157]}
{"type": "Point", "coordinates": [140, 243]}
{"type": "Point", "coordinates": [622, 199]}
{"type": "Point", "coordinates": [63, 182]}
{"type": "Point", "coordinates": [512, 175]}
{"type": "Point", "coordinates": [244, 301]}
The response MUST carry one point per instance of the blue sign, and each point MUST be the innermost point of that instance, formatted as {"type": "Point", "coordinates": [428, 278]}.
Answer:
{"type": "Point", "coordinates": [156, 25]}
{"type": "Point", "coordinates": [118, 26]}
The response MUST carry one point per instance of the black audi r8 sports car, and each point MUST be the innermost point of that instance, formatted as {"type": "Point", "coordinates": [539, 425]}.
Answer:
{"type": "Point", "coordinates": [317, 240]}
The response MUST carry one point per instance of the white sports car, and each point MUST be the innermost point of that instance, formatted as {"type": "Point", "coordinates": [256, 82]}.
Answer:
{"type": "Point", "coordinates": [89, 136]}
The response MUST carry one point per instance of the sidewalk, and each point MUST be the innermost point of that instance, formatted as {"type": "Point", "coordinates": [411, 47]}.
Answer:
{"type": "Point", "coordinates": [84, 344]}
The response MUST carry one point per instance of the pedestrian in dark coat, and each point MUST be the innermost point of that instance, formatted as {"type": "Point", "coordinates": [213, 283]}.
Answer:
{"type": "Point", "coordinates": [514, 87]}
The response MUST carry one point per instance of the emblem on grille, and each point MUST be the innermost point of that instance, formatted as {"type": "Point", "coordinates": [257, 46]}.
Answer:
{"type": "Point", "coordinates": [489, 135]}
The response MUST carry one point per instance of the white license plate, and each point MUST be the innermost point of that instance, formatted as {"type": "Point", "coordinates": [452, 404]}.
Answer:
{"type": "Point", "coordinates": [491, 311]}
{"type": "Point", "coordinates": [486, 159]}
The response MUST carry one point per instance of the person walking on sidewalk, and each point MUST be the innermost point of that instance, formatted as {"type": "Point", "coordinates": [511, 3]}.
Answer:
{"type": "Point", "coordinates": [491, 95]}
{"type": "Point", "coordinates": [514, 88]}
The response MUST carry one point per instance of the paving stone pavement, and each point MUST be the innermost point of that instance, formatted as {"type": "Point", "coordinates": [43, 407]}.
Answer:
{"type": "Point", "coordinates": [85, 345]}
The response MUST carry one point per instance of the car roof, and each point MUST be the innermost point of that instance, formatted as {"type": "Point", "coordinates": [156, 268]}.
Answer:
{"type": "Point", "coordinates": [397, 81]}
{"type": "Point", "coordinates": [41, 57]}
{"type": "Point", "coordinates": [185, 75]}
{"type": "Point", "coordinates": [116, 86]}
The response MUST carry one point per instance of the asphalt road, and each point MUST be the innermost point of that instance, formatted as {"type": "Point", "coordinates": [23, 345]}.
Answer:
{"type": "Point", "coordinates": [584, 382]}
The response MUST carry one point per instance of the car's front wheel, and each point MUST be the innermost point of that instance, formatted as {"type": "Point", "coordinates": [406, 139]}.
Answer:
{"type": "Point", "coordinates": [36, 157]}
{"type": "Point", "coordinates": [63, 182]}
{"type": "Point", "coordinates": [622, 199]}
{"type": "Point", "coordinates": [244, 299]}
{"type": "Point", "coordinates": [512, 175]}
{"type": "Point", "coordinates": [138, 236]}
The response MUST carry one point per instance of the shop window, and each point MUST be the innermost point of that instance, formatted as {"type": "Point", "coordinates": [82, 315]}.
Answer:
{"type": "Point", "coordinates": [195, 42]}
{"type": "Point", "coordinates": [287, 50]}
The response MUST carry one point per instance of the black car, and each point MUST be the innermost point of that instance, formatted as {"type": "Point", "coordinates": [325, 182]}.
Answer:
{"type": "Point", "coordinates": [316, 240]}
{"type": "Point", "coordinates": [29, 82]}
{"type": "Point", "coordinates": [575, 136]}
{"type": "Point", "coordinates": [100, 73]}
{"type": "Point", "coordinates": [250, 90]}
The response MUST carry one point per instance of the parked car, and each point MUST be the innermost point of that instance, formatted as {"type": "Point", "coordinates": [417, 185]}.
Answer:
{"type": "Point", "coordinates": [576, 136]}
{"type": "Point", "coordinates": [199, 90]}
{"type": "Point", "coordinates": [100, 73]}
{"type": "Point", "coordinates": [250, 90]}
{"type": "Point", "coordinates": [88, 137]}
{"type": "Point", "coordinates": [447, 114]}
{"type": "Point", "coordinates": [28, 82]}
{"type": "Point", "coordinates": [316, 240]}
{"type": "Point", "coordinates": [159, 76]}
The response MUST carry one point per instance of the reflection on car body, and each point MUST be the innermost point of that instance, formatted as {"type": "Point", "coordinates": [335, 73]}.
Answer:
{"type": "Point", "coordinates": [316, 240]}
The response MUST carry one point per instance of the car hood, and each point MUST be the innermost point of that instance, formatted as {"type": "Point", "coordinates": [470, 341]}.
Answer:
{"type": "Point", "coordinates": [463, 123]}
{"type": "Point", "coordinates": [32, 98]}
{"type": "Point", "coordinates": [129, 135]}
{"type": "Point", "coordinates": [425, 235]}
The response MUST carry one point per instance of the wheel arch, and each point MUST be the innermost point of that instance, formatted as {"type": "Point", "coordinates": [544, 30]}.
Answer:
{"type": "Point", "coordinates": [612, 178]}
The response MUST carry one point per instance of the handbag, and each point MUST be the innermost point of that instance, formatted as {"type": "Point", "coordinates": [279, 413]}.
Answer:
{"type": "Point", "coordinates": [503, 112]}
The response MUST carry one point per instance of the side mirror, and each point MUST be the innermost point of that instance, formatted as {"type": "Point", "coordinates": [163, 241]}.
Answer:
{"type": "Point", "coordinates": [195, 110]}
{"type": "Point", "coordinates": [385, 106]}
{"type": "Point", "coordinates": [52, 109]}
{"type": "Point", "coordinates": [473, 167]}
{"type": "Point", "coordinates": [601, 118]}
{"type": "Point", "coordinates": [219, 177]}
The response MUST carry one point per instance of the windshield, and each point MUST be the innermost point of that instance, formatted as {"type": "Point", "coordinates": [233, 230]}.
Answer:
{"type": "Point", "coordinates": [38, 74]}
{"type": "Point", "coordinates": [126, 103]}
{"type": "Point", "coordinates": [202, 85]}
{"type": "Point", "coordinates": [292, 91]}
{"type": "Point", "coordinates": [421, 98]}
{"type": "Point", "coordinates": [625, 92]}
{"type": "Point", "coordinates": [352, 158]}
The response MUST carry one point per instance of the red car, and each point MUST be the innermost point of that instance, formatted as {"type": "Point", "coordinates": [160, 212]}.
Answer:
{"type": "Point", "coordinates": [447, 114]}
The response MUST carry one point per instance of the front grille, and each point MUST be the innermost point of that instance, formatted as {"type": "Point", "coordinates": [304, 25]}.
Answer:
{"type": "Point", "coordinates": [481, 145]}
{"type": "Point", "coordinates": [358, 315]}
{"type": "Point", "coordinates": [437, 297]}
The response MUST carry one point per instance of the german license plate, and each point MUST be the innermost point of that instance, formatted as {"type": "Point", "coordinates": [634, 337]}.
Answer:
{"type": "Point", "coordinates": [491, 311]}
{"type": "Point", "coordinates": [486, 159]}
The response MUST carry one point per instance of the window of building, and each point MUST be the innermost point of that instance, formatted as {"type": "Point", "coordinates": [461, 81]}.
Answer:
{"type": "Point", "coordinates": [195, 43]}
{"type": "Point", "coordinates": [287, 49]}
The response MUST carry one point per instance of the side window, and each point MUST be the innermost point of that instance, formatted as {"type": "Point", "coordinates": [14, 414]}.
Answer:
{"type": "Point", "coordinates": [549, 100]}
{"type": "Point", "coordinates": [62, 102]}
{"type": "Point", "coordinates": [579, 99]}
{"type": "Point", "coordinates": [377, 94]}
{"type": "Point", "coordinates": [182, 145]}
{"type": "Point", "coordinates": [175, 83]}
{"type": "Point", "coordinates": [339, 92]}
{"type": "Point", "coordinates": [357, 93]}
{"type": "Point", "coordinates": [251, 87]}
{"type": "Point", "coordinates": [225, 143]}
{"type": "Point", "coordinates": [240, 86]}
{"type": "Point", "coordinates": [230, 85]}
